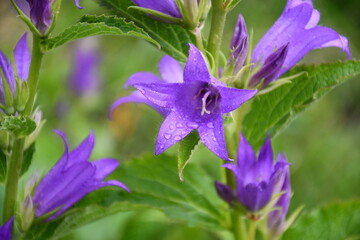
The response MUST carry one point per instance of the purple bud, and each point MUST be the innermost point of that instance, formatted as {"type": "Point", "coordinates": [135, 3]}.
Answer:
{"type": "Point", "coordinates": [271, 68]}
{"type": "Point", "coordinates": [276, 220]}
{"type": "Point", "coordinates": [168, 7]}
{"type": "Point", "coordinates": [40, 14]}
{"type": "Point", "coordinates": [239, 44]}
{"type": "Point", "coordinates": [225, 192]}
{"type": "Point", "coordinates": [5, 230]}
{"type": "Point", "coordinates": [256, 178]}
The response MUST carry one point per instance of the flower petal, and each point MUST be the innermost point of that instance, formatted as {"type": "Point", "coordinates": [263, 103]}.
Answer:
{"type": "Point", "coordinates": [171, 70]}
{"type": "Point", "coordinates": [161, 94]}
{"type": "Point", "coordinates": [22, 58]}
{"type": "Point", "coordinates": [172, 130]}
{"type": "Point", "coordinates": [254, 196]}
{"type": "Point", "coordinates": [137, 97]}
{"type": "Point", "coordinates": [296, 26]}
{"type": "Point", "coordinates": [196, 68]}
{"type": "Point", "coordinates": [246, 156]}
{"type": "Point", "coordinates": [142, 77]}
{"type": "Point", "coordinates": [5, 230]}
{"type": "Point", "coordinates": [265, 160]}
{"type": "Point", "coordinates": [165, 6]}
{"type": "Point", "coordinates": [83, 151]}
{"type": "Point", "coordinates": [212, 135]}
{"type": "Point", "coordinates": [104, 167]}
{"type": "Point", "coordinates": [232, 98]}
{"type": "Point", "coordinates": [7, 69]}
{"type": "Point", "coordinates": [225, 192]}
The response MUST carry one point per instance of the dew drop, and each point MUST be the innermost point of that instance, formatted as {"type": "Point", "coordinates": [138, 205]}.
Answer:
{"type": "Point", "coordinates": [192, 125]}
{"type": "Point", "coordinates": [210, 125]}
{"type": "Point", "coordinates": [177, 137]}
{"type": "Point", "coordinates": [179, 125]}
{"type": "Point", "coordinates": [167, 136]}
{"type": "Point", "coordinates": [171, 127]}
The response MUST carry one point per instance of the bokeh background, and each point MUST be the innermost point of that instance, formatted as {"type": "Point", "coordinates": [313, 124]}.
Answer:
{"type": "Point", "coordinates": [323, 144]}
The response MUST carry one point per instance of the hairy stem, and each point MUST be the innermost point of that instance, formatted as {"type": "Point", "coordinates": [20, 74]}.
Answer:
{"type": "Point", "coordinates": [216, 32]}
{"type": "Point", "coordinates": [13, 174]}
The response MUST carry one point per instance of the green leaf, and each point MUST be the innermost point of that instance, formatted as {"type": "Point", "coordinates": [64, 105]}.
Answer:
{"type": "Point", "coordinates": [186, 148]}
{"type": "Point", "coordinates": [28, 155]}
{"type": "Point", "coordinates": [20, 126]}
{"type": "Point", "coordinates": [154, 184]}
{"type": "Point", "coordinates": [3, 166]}
{"type": "Point", "coordinates": [173, 38]}
{"type": "Point", "coordinates": [333, 222]}
{"type": "Point", "coordinates": [97, 25]}
{"type": "Point", "coordinates": [273, 111]}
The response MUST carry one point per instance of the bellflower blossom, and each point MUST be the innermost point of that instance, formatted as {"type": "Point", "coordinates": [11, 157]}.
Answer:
{"type": "Point", "coordinates": [291, 37]}
{"type": "Point", "coordinates": [167, 7]}
{"type": "Point", "coordinates": [5, 230]}
{"type": "Point", "coordinates": [170, 71]}
{"type": "Point", "coordinates": [256, 179]}
{"type": "Point", "coordinates": [84, 78]}
{"type": "Point", "coordinates": [72, 177]}
{"type": "Point", "coordinates": [22, 62]}
{"type": "Point", "coordinates": [276, 220]}
{"type": "Point", "coordinates": [196, 103]}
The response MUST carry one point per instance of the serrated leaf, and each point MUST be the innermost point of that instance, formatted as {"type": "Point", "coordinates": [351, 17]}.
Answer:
{"type": "Point", "coordinates": [97, 25]}
{"type": "Point", "coordinates": [333, 222]}
{"type": "Point", "coordinates": [27, 159]}
{"type": "Point", "coordinates": [20, 126]}
{"type": "Point", "coordinates": [173, 38]}
{"type": "Point", "coordinates": [186, 148]}
{"type": "Point", "coordinates": [154, 184]}
{"type": "Point", "coordinates": [3, 166]}
{"type": "Point", "coordinates": [273, 111]}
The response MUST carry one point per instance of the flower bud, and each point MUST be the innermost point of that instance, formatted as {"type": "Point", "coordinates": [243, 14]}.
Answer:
{"type": "Point", "coordinates": [27, 213]}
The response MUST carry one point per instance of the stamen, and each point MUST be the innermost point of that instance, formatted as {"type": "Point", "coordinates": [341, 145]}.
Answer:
{"type": "Point", "coordinates": [204, 105]}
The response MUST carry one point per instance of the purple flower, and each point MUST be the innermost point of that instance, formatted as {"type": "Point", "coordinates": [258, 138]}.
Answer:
{"type": "Point", "coordinates": [73, 177]}
{"type": "Point", "coordinates": [84, 78]}
{"type": "Point", "coordinates": [256, 179]}
{"type": "Point", "coordinates": [168, 7]}
{"type": "Point", "coordinates": [276, 220]}
{"type": "Point", "coordinates": [292, 36]}
{"type": "Point", "coordinates": [22, 62]}
{"type": "Point", "coordinates": [239, 44]}
{"type": "Point", "coordinates": [196, 103]}
{"type": "Point", "coordinates": [5, 230]}
{"type": "Point", "coordinates": [40, 14]}
{"type": "Point", "coordinates": [171, 72]}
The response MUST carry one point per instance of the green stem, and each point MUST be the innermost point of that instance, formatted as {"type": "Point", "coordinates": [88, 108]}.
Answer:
{"type": "Point", "coordinates": [252, 230]}
{"type": "Point", "coordinates": [216, 32]}
{"type": "Point", "coordinates": [199, 39]}
{"type": "Point", "coordinates": [13, 175]}
{"type": "Point", "coordinates": [36, 60]}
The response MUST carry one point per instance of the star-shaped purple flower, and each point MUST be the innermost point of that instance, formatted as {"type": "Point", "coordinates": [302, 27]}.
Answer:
{"type": "Point", "coordinates": [5, 230]}
{"type": "Point", "coordinates": [73, 177]}
{"type": "Point", "coordinates": [256, 179]}
{"type": "Point", "coordinates": [168, 7]}
{"type": "Point", "coordinates": [196, 103]}
{"type": "Point", "coordinates": [291, 37]}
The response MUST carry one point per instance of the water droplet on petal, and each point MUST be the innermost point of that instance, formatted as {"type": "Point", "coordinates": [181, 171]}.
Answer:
{"type": "Point", "coordinates": [171, 127]}
{"type": "Point", "coordinates": [177, 137]}
{"type": "Point", "coordinates": [192, 125]}
{"type": "Point", "coordinates": [214, 139]}
{"type": "Point", "coordinates": [179, 125]}
{"type": "Point", "coordinates": [167, 136]}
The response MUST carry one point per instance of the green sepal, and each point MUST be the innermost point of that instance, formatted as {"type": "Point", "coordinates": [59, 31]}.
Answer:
{"type": "Point", "coordinates": [20, 126]}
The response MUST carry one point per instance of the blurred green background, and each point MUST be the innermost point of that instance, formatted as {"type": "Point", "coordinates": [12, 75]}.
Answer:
{"type": "Point", "coordinates": [322, 144]}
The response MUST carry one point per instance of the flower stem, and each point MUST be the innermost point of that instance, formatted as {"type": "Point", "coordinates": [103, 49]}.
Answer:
{"type": "Point", "coordinates": [252, 230]}
{"type": "Point", "coordinates": [11, 187]}
{"type": "Point", "coordinates": [36, 60]}
{"type": "Point", "coordinates": [216, 32]}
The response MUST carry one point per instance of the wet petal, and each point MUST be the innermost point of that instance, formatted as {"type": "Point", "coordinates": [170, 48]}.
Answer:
{"type": "Point", "coordinates": [161, 94]}
{"type": "Point", "coordinates": [171, 70]}
{"type": "Point", "coordinates": [232, 98]}
{"type": "Point", "coordinates": [212, 135]}
{"type": "Point", "coordinates": [172, 130]}
{"type": "Point", "coordinates": [196, 68]}
{"type": "Point", "coordinates": [22, 58]}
